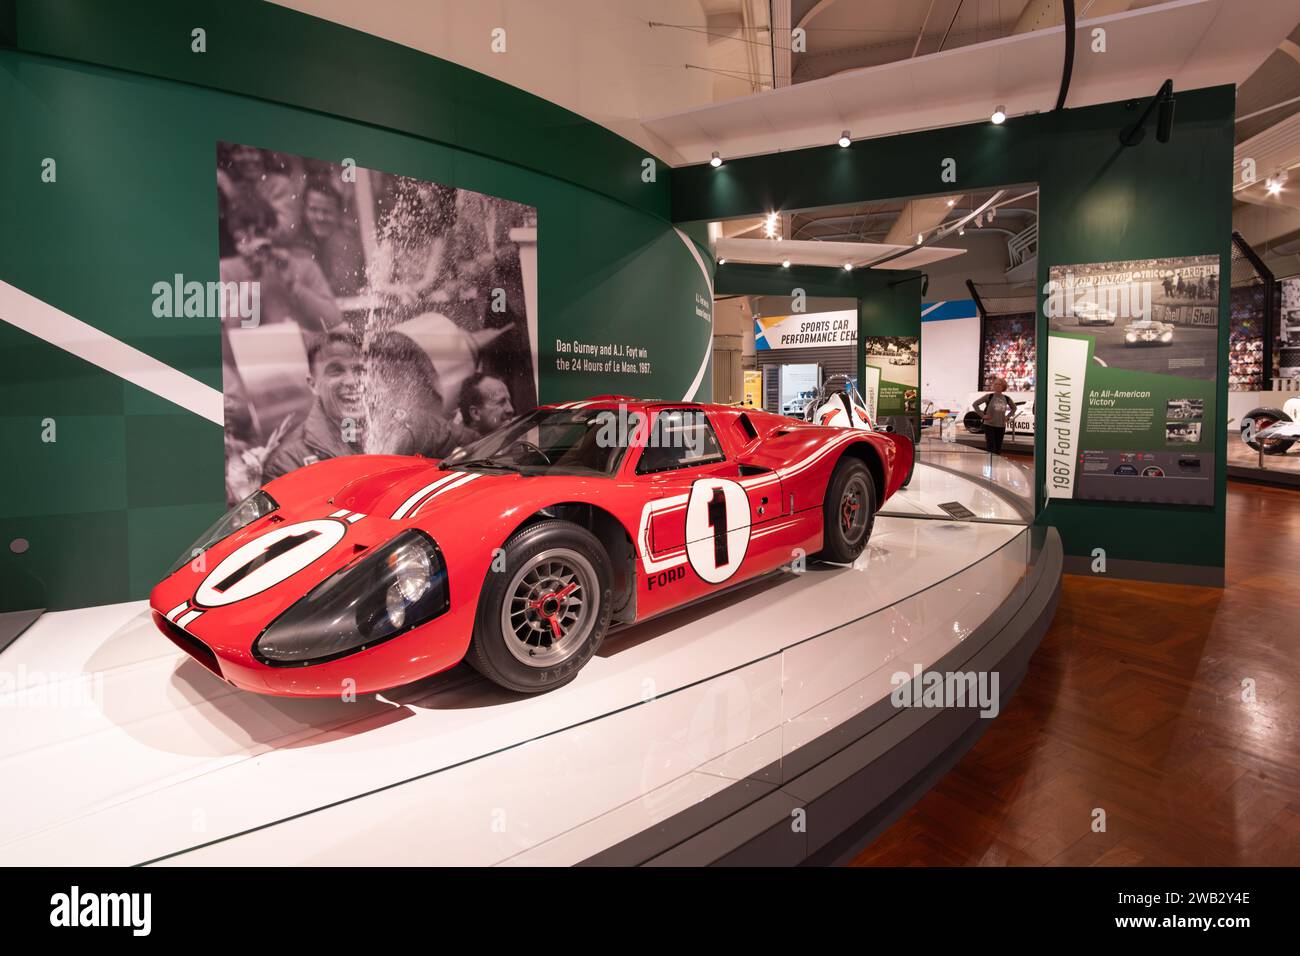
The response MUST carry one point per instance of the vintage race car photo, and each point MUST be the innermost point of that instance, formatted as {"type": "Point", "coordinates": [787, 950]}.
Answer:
{"type": "Point", "coordinates": [1148, 332]}
{"type": "Point", "coordinates": [1090, 313]}
{"type": "Point", "coordinates": [520, 551]}
{"type": "Point", "coordinates": [1272, 430]}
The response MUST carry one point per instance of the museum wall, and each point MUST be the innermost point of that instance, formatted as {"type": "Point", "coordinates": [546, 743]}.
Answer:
{"type": "Point", "coordinates": [1099, 202]}
{"type": "Point", "coordinates": [950, 347]}
{"type": "Point", "coordinates": [111, 123]}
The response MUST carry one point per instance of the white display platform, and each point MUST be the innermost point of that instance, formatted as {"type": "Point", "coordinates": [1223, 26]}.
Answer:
{"type": "Point", "coordinates": [118, 749]}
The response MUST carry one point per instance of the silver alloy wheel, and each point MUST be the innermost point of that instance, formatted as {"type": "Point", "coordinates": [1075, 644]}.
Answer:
{"type": "Point", "coordinates": [550, 607]}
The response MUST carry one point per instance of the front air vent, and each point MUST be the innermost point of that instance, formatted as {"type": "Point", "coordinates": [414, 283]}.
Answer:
{"type": "Point", "coordinates": [190, 644]}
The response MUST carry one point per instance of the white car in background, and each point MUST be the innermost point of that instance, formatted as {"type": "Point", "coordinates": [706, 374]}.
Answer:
{"type": "Point", "coordinates": [1090, 313]}
{"type": "Point", "coordinates": [1272, 430]}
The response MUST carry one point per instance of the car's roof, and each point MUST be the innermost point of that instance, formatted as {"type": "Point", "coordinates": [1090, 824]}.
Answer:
{"type": "Point", "coordinates": [627, 401]}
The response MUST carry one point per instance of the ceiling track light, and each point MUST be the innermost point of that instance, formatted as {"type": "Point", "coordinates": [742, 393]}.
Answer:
{"type": "Point", "coordinates": [848, 267]}
{"type": "Point", "coordinates": [785, 263]}
{"type": "Point", "coordinates": [716, 160]}
{"type": "Point", "coordinates": [999, 115]}
{"type": "Point", "coordinates": [845, 142]}
{"type": "Point", "coordinates": [722, 261]}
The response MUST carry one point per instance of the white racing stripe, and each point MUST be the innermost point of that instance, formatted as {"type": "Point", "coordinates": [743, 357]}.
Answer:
{"type": "Point", "coordinates": [458, 483]}
{"type": "Point", "coordinates": [171, 615]}
{"type": "Point", "coordinates": [412, 501]}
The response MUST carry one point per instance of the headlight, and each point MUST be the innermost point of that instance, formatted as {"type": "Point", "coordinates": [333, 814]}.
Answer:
{"type": "Point", "coordinates": [257, 505]}
{"type": "Point", "coordinates": [394, 588]}
{"type": "Point", "coordinates": [1167, 337]}
{"type": "Point", "coordinates": [1130, 337]}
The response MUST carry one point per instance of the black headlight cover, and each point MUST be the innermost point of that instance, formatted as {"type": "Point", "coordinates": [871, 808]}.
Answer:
{"type": "Point", "coordinates": [257, 505]}
{"type": "Point", "coordinates": [353, 609]}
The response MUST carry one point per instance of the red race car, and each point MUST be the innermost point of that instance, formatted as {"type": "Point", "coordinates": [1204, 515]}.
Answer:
{"type": "Point", "coordinates": [519, 552]}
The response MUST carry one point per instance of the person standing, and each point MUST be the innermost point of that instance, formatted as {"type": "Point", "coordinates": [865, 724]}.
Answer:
{"type": "Point", "coordinates": [996, 409]}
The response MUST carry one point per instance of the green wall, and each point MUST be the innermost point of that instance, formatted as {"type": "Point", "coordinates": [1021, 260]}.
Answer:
{"type": "Point", "coordinates": [1099, 202]}
{"type": "Point", "coordinates": [112, 92]}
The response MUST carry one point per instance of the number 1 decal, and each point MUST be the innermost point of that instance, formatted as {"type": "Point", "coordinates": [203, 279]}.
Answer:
{"type": "Point", "coordinates": [717, 528]}
{"type": "Point", "coordinates": [718, 522]}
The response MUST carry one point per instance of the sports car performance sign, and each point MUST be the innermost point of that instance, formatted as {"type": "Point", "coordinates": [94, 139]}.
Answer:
{"type": "Point", "coordinates": [1131, 366]}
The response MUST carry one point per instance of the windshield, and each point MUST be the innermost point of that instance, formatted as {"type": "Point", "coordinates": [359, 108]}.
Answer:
{"type": "Point", "coordinates": [568, 441]}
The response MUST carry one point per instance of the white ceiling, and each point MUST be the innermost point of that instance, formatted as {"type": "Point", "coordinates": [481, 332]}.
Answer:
{"type": "Point", "coordinates": [1196, 42]}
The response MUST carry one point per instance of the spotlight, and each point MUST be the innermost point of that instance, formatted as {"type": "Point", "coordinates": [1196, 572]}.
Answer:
{"type": "Point", "coordinates": [716, 161]}
{"type": "Point", "coordinates": [961, 231]}
{"type": "Point", "coordinates": [999, 115]}
{"type": "Point", "coordinates": [951, 203]}
{"type": "Point", "coordinates": [844, 139]}
{"type": "Point", "coordinates": [785, 263]}
{"type": "Point", "coordinates": [848, 267]}
{"type": "Point", "coordinates": [722, 261]}
{"type": "Point", "coordinates": [919, 238]}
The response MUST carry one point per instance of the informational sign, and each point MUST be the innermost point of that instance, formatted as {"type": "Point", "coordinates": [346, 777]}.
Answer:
{"type": "Point", "coordinates": [753, 389]}
{"type": "Point", "coordinates": [897, 358]}
{"type": "Point", "coordinates": [1130, 385]}
{"type": "Point", "coordinates": [806, 331]}
{"type": "Point", "coordinates": [871, 391]}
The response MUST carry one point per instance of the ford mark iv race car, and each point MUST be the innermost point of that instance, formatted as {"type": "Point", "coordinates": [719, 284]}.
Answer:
{"type": "Point", "coordinates": [520, 551]}
{"type": "Point", "coordinates": [1272, 430]}
{"type": "Point", "coordinates": [1148, 332]}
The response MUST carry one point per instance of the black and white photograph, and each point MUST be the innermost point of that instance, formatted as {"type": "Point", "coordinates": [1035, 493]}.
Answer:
{"type": "Point", "coordinates": [1182, 433]}
{"type": "Point", "coordinates": [1185, 408]}
{"type": "Point", "coordinates": [375, 313]}
{"type": "Point", "coordinates": [1148, 315]}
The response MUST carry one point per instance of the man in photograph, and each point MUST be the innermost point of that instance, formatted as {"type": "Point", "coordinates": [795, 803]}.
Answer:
{"type": "Point", "coordinates": [485, 403]}
{"type": "Point", "coordinates": [333, 426]}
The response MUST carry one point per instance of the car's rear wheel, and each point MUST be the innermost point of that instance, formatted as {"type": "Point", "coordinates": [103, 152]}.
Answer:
{"type": "Point", "coordinates": [1259, 419]}
{"type": "Point", "coordinates": [848, 512]}
{"type": "Point", "coordinates": [542, 617]}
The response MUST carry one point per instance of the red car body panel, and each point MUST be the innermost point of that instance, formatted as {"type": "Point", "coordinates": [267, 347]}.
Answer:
{"type": "Point", "coordinates": [775, 481]}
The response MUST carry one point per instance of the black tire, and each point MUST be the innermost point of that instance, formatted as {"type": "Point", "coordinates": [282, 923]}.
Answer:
{"type": "Point", "coordinates": [1257, 420]}
{"type": "Point", "coordinates": [534, 559]}
{"type": "Point", "coordinates": [973, 423]}
{"type": "Point", "coordinates": [851, 485]}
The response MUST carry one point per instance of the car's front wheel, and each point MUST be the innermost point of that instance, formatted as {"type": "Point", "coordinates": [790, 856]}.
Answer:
{"type": "Point", "coordinates": [542, 616]}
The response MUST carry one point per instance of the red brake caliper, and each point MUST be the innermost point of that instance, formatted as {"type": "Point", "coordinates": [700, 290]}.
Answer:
{"type": "Point", "coordinates": [553, 618]}
{"type": "Point", "coordinates": [849, 510]}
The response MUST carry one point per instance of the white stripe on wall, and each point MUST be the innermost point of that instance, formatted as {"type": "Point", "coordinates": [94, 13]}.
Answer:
{"type": "Point", "coordinates": [44, 321]}
{"type": "Point", "coordinates": [708, 345]}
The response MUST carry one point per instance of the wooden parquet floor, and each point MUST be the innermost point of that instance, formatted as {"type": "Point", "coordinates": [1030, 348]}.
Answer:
{"type": "Point", "coordinates": [1134, 705]}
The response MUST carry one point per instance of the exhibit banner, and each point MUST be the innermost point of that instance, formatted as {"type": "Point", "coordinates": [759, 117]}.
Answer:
{"type": "Point", "coordinates": [364, 311]}
{"type": "Point", "coordinates": [814, 330]}
{"type": "Point", "coordinates": [1286, 351]}
{"type": "Point", "coordinates": [897, 357]}
{"type": "Point", "coordinates": [871, 391]}
{"type": "Point", "coordinates": [1132, 359]}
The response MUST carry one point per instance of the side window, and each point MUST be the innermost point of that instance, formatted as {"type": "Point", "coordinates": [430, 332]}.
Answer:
{"type": "Point", "coordinates": [679, 438]}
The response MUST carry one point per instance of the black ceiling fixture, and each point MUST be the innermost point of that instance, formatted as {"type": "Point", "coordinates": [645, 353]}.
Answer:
{"type": "Point", "coordinates": [1068, 68]}
{"type": "Point", "coordinates": [1132, 135]}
